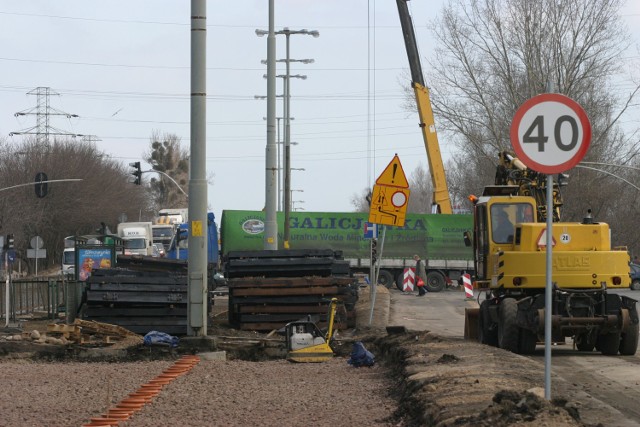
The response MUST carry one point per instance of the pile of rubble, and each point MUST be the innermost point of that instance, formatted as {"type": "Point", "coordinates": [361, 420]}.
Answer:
{"type": "Point", "coordinates": [81, 332]}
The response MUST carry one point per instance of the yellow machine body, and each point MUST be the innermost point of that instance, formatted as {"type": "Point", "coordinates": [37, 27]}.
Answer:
{"type": "Point", "coordinates": [305, 341]}
{"type": "Point", "coordinates": [582, 256]}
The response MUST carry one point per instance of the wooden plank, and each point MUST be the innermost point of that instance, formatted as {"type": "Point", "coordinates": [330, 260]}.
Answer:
{"type": "Point", "coordinates": [310, 299]}
{"type": "Point", "coordinates": [286, 253]}
{"type": "Point", "coordinates": [269, 326]}
{"type": "Point", "coordinates": [97, 311]}
{"type": "Point", "coordinates": [250, 282]}
{"type": "Point", "coordinates": [102, 328]}
{"type": "Point", "coordinates": [281, 309]}
{"type": "Point", "coordinates": [136, 297]}
{"type": "Point", "coordinates": [137, 287]}
{"type": "Point", "coordinates": [320, 290]}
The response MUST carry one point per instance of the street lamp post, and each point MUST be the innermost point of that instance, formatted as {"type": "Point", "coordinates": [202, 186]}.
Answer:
{"type": "Point", "coordinates": [279, 143]}
{"type": "Point", "coordinates": [287, 149]}
{"type": "Point", "coordinates": [285, 106]}
{"type": "Point", "coordinates": [287, 134]}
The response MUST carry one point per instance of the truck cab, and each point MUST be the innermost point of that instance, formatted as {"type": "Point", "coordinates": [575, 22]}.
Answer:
{"type": "Point", "coordinates": [137, 238]}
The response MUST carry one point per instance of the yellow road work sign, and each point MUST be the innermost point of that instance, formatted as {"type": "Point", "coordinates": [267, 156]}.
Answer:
{"type": "Point", "coordinates": [393, 175]}
{"type": "Point", "coordinates": [389, 205]}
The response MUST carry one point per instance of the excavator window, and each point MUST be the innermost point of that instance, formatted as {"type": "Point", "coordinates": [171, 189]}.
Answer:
{"type": "Point", "coordinates": [503, 219]}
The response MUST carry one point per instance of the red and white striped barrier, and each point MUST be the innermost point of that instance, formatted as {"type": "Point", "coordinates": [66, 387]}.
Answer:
{"type": "Point", "coordinates": [409, 280]}
{"type": "Point", "coordinates": [468, 287]}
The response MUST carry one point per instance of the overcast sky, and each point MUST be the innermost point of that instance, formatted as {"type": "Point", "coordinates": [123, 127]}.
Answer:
{"type": "Point", "coordinates": [123, 68]}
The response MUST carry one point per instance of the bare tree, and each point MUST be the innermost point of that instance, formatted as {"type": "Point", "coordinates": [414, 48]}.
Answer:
{"type": "Point", "coordinates": [493, 55]}
{"type": "Point", "coordinates": [168, 156]}
{"type": "Point", "coordinates": [421, 191]}
{"type": "Point", "coordinates": [360, 202]}
{"type": "Point", "coordinates": [69, 208]}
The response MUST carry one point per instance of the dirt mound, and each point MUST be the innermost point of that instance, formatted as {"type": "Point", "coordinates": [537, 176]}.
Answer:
{"type": "Point", "coordinates": [444, 382]}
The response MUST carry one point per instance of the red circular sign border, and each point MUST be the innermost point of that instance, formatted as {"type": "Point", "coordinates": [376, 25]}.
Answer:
{"type": "Point", "coordinates": [586, 133]}
{"type": "Point", "coordinates": [405, 199]}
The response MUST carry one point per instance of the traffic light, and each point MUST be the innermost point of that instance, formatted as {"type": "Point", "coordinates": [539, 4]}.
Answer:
{"type": "Point", "coordinates": [374, 250]}
{"type": "Point", "coordinates": [10, 242]}
{"type": "Point", "coordinates": [137, 173]}
{"type": "Point", "coordinates": [42, 186]}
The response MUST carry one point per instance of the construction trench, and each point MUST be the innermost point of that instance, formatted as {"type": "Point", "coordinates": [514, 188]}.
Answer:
{"type": "Point", "coordinates": [422, 378]}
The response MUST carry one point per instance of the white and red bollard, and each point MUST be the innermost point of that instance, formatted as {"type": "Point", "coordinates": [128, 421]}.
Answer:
{"type": "Point", "coordinates": [468, 287]}
{"type": "Point", "coordinates": [409, 280]}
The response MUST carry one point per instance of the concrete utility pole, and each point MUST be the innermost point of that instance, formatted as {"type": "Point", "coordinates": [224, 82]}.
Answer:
{"type": "Point", "coordinates": [271, 172]}
{"type": "Point", "coordinates": [197, 280]}
{"type": "Point", "coordinates": [43, 111]}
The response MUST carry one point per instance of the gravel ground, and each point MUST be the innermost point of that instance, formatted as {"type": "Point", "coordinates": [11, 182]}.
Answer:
{"type": "Point", "coordinates": [213, 393]}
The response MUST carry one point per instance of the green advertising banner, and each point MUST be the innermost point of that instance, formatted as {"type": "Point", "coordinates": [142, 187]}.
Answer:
{"type": "Point", "coordinates": [433, 236]}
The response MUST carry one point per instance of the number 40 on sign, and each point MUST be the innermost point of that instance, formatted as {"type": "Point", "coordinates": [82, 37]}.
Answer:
{"type": "Point", "coordinates": [550, 133]}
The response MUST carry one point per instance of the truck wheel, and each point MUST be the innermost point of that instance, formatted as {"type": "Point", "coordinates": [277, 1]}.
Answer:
{"type": "Point", "coordinates": [629, 340]}
{"type": "Point", "coordinates": [609, 344]}
{"type": "Point", "coordinates": [435, 281]}
{"type": "Point", "coordinates": [385, 279]}
{"type": "Point", "coordinates": [400, 281]}
{"type": "Point", "coordinates": [635, 285]}
{"type": "Point", "coordinates": [487, 334]}
{"type": "Point", "coordinates": [508, 330]}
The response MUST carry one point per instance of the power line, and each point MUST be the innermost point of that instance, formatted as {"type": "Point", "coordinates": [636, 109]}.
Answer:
{"type": "Point", "coordinates": [180, 67]}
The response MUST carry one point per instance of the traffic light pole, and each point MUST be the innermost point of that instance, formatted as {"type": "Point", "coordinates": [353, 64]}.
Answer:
{"type": "Point", "coordinates": [6, 288]}
{"type": "Point", "coordinates": [41, 182]}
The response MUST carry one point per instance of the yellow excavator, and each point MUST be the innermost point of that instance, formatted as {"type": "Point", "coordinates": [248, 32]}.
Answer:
{"type": "Point", "coordinates": [509, 245]}
{"type": "Point", "coordinates": [306, 342]}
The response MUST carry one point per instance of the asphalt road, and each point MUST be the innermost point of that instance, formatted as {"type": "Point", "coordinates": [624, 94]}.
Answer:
{"type": "Point", "coordinates": [438, 312]}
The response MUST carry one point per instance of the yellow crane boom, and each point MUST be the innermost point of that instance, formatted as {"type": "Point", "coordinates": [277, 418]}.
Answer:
{"type": "Point", "coordinates": [441, 198]}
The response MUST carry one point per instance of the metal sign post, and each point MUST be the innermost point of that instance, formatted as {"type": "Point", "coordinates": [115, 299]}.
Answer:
{"type": "Point", "coordinates": [550, 134]}
{"type": "Point", "coordinates": [377, 272]}
{"type": "Point", "coordinates": [389, 201]}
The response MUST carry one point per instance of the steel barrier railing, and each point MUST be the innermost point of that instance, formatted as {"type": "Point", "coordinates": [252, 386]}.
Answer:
{"type": "Point", "coordinates": [28, 297]}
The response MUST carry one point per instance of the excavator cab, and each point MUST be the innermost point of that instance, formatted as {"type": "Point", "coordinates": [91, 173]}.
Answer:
{"type": "Point", "coordinates": [495, 228]}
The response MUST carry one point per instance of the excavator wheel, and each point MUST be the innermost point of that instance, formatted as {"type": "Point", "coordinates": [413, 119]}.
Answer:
{"type": "Point", "coordinates": [609, 344]}
{"type": "Point", "coordinates": [585, 342]}
{"type": "Point", "coordinates": [486, 333]}
{"type": "Point", "coordinates": [527, 341]}
{"type": "Point", "coordinates": [629, 338]}
{"type": "Point", "coordinates": [471, 323]}
{"type": "Point", "coordinates": [508, 331]}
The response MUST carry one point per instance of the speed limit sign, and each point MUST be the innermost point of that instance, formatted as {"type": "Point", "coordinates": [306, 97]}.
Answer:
{"type": "Point", "coordinates": [550, 133]}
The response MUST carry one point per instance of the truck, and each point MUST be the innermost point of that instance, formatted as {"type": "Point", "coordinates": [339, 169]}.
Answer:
{"type": "Point", "coordinates": [435, 237]}
{"type": "Point", "coordinates": [179, 246]}
{"type": "Point", "coordinates": [172, 216]}
{"type": "Point", "coordinates": [163, 234]}
{"type": "Point", "coordinates": [69, 256]}
{"type": "Point", "coordinates": [511, 271]}
{"type": "Point", "coordinates": [137, 237]}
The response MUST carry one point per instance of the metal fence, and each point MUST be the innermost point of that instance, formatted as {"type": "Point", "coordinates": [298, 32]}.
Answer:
{"type": "Point", "coordinates": [41, 297]}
